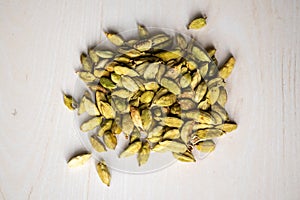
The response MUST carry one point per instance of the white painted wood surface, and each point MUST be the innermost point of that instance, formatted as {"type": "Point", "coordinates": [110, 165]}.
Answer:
{"type": "Point", "coordinates": [40, 44]}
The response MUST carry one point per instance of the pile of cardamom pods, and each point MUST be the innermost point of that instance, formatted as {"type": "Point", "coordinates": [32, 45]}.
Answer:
{"type": "Point", "coordinates": [164, 93]}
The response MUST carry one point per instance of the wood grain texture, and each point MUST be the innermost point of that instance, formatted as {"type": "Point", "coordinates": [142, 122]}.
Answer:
{"type": "Point", "coordinates": [40, 44]}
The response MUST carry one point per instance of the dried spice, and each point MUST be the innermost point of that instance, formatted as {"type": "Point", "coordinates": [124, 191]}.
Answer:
{"type": "Point", "coordinates": [206, 146]}
{"type": "Point", "coordinates": [144, 154]}
{"type": "Point", "coordinates": [79, 160]}
{"type": "Point", "coordinates": [163, 93]}
{"type": "Point", "coordinates": [97, 144]}
{"type": "Point", "coordinates": [226, 69]}
{"type": "Point", "coordinates": [114, 38]}
{"type": "Point", "coordinates": [110, 140]}
{"type": "Point", "coordinates": [197, 23]}
{"type": "Point", "coordinates": [70, 102]}
{"type": "Point", "coordinates": [131, 149]}
{"type": "Point", "coordinates": [90, 124]}
{"type": "Point", "coordinates": [173, 146]}
{"type": "Point", "coordinates": [184, 157]}
{"type": "Point", "coordinates": [103, 172]}
{"type": "Point", "coordinates": [90, 107]}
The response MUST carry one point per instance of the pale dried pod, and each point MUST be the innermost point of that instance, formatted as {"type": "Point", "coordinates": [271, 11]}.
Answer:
{"type": "Point", "coordinates": [104, 53]}
{"type": "Point", "coordinates": [206, 146]}
{"type": "Point", "coordinates": [227, 126]}
{"type": "Point", "coordinates": [184, 157]}
{"type": "Point", "coordinates": [197, 23]}
{"type": "Point", "coordinates": [131, 149]}
{"type": "Point", "coordinates": [181, 41]}
{"type": "Point", "coordinates": [106, 110]}
{"type": "Point", "coordinates": [144, 153]}
{"type": "Point", "coordinates": [129, 84]}
{"type": "Point", "coordinates": [186, 131]}
{"type": "Point", "coordinates": [166, 100]}
{"type": "Point", "coordinates": [70, 102]}
{"type": "Point", "coordinates": [142, 30]}
{"type": "Point", "coordinates": [93, 56]}
{"type": "Point", "coordinates": [79, 160]}
{"type": "Point", "coordinates": [226, 69]}
{"type": "Point", "coordinates": [172, 122]}
{"type": "Point", "coordinates": [151, 71]}
{"type": "Point", "coordinates": [114, 38]}
{"type": "Point", "coordinates": [86, 62]}
{"type": "Point", "coordinates": [171, 85]}
{"type": "Point", "coordinates": [171, 134]}
{"type": "Point", "coordinates": [103, 172]}
{"type": "Point", "coordinates": [106, 125]}
{"type": "Point", "coordinates": [91, 107]}
{"type": "Point", "coordinates": [173, 146]}
{"type": "Point", "coordinates": [87, 77]}
{"type": "Point", "coordinates": [91, 124]}
{"type": "Point", "coordinates": [156, 131]}
{"type": "Point", "coordinates": [110, 140]}
{"type": "Point", "coordinates": [97, 144]}
{"type": "Point", "coordinates": [127, 124]}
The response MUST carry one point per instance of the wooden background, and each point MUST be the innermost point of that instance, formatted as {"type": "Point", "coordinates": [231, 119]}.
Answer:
{"type": "Point", "coordinates": [40, 44]}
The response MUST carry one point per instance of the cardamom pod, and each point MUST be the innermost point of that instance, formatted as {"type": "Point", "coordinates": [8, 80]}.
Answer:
{"type": "Point", "coordinates": [169, 55]}
{"type": "Point", "coordinates": [151, 71]}
{"type": "Point", "coordinates": [87, 77]}
{"type": "Point", "coordinates": [91, 108]}
{"type": "Point", "coordinates": [171, 134]}
{"type": "Point", "coordinates": [129, 84]}
{"type": "Point", "coordinates": [93, 56]}
{"type": "Point", "coordinates": [170, 85]}
{"type": "Point", "coordinates": [200, 55]}
{"type": "Point", "coordinates": [90, 124]}
{"type": "Point", "coordinates": [143, 45]}
{"type": "Point", "coordinates": [173, 146]}
{"type": "Point", "coordinates": [144, 154]}
{"type": "Point", "coordinates": [131, 149]}
{"type": "Point", "coordinates": [180, 41]}
{"type": "Point", "coordinates": [166, 100]}
{"type": "Point", "coordinates": [146, 118]}
{"type": "Point", "coordinates": [206, 146]}
{"type": "Point", "coordinates": [185, 80]}
{"type": "Point", "coordinates": [97, 144]}
{"type": "Point", "coordinates": [186, 131]}
{"type": "Point", "coordinates": [103, 172]}
{"type": "Point", "coordinates": [184, 157]}
{"type": "Point", "coordinates": [222, 97]}
{"type": "Point", "coordinates": [125, 71]}
{"type": "Point", "coordinates": [70, 102]}
{"type": "Point", "coordinates": [106, 125]}
{"type": "Point", "coordinates": [197, 23]}
{"type": "Point", "coordinates": [110, 140]}
{"type": "Point", "coordinates": [213, 95]}
{"type": "Point", "coordinates": [106, 110]}
{"type": "Point", "coordinates": [154, 86]}
{"type": "Point", "coordinates": [147, 97]}
{"type": "Point", "coordinates": [211, 133]}
{"type": "Point", "coordinates": [86, 63]}
{"type": "Point", "coordinates": [79, 160]}
{"type": "Point", "coordinates": [227, 126]}
{"type": "Point", "coordinates": [115, 39]}
{"type": "Point", "coordinates": [104, 53]}
{"type": "Point", "coordinates": [127, 124]}
{"type": "Point", "coordinates": [136, 117]}
{"type": "Point", "coordinates": [226, 69]}
{"type": "Point", "coordinates": [107, 83]}
{"type": "Point", "coordinates": [200, 91]}
{"type": "Point", "coordinates": [143, 32]}
{"type": "Point", "coordinates": [172, 122]}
